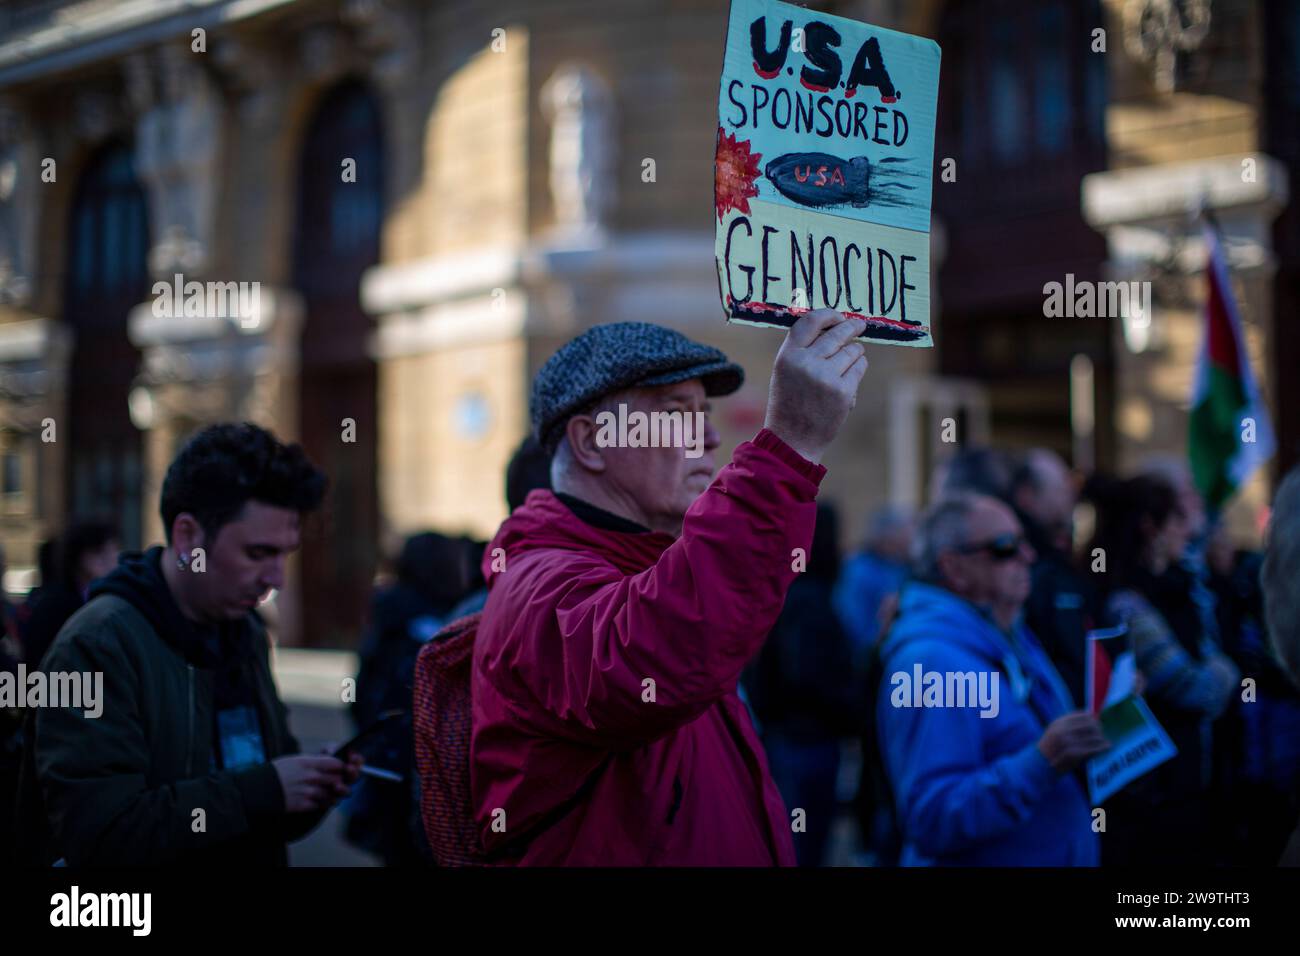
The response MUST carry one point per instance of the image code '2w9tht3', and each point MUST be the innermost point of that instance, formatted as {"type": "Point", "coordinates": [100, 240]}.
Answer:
{"type": "Point", "coordinates": [823, 169]}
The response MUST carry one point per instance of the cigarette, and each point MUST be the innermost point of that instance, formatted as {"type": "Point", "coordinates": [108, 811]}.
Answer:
{"type": "Point", "coordinates": [381, 774]}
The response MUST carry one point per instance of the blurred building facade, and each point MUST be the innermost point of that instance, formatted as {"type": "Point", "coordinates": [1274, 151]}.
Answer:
{"type": "Point", "coordinates": [433, 195]}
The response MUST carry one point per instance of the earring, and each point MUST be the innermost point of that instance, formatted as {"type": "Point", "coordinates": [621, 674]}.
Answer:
{"type": "Point", "coordinates": [183, 562]}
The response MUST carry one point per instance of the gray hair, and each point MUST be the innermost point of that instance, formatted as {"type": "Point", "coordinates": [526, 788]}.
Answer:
{"type": "Point", "coordinates": [944, 526]}
{"type": "Point", "coordinates": [886, 520]}
{"type": "Point", "coordinates": [564, 465]}
{"type": "Point", "coordinates": [1280, 577]}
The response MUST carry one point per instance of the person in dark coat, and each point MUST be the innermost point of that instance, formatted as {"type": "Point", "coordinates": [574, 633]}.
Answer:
{"type": "Point", "coordinates": [1063, 602]}
{"type": "Point", "coordinates": [1280, 587]}
{"type": "Point", "coordinates": [189, 718]}
{"type": "Point", "coordinates": [45, 567]}
{"type": "Point", "coordinates": [802, 689]}
{"type": "Point", "coordinates": [10, 755]}
{"type": "Point", "coordinates": [1257, 742]}
{"type": "Point", "coordinates": [87, 550]}
{"type": "Point", "coordinates": [382, 817]}
{"type": "Point", "coordinates": [11, 736]}
{"type": "Point", "coordinates": [1166, 816]}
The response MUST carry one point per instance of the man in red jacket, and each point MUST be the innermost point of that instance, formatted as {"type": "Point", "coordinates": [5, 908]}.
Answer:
{"type": "Point", "coordinates": [623, 606]}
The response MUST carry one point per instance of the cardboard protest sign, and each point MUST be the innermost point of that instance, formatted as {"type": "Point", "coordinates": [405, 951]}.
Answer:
{"type": "Point", "coordinates": [1138, 743]}
{"type": "Point", "coordinates": [823, 170]}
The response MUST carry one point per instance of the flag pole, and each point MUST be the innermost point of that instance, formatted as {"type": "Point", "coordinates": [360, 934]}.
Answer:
{"type": "Point", "coordinates": [1198, 551]}
{"type": "Point", "coordinates": [1202, 214]}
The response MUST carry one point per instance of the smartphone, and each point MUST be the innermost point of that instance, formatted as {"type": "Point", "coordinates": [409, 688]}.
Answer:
{"type": "Point", "coordinates": [386, 718]}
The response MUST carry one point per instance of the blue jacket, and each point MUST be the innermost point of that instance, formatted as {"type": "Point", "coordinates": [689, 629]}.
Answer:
{"type": "Point", "coordinates": [866, 579]}
{"type": "Point", "coordinates": [972, 790]}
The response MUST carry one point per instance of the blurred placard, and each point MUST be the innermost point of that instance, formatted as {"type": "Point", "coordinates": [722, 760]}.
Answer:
{"type": "Point", "coordinates": [1138, 744]}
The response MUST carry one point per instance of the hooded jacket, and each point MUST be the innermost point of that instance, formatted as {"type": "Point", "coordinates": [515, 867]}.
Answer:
{"type": "Point", "coordinates": [972, 790]}
{"type": "Point", "coordinates": [123, 788]}
{"type": "Point", "coordinates": [605, 670]}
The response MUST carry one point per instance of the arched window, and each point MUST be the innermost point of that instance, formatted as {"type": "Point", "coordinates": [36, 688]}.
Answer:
{"type": "Point", "coordinates": [339, 215]}
{"type": "Point", "coordinates": [107, 275]}
{"type": "Point", "coordinates": [339, 209]}
{"type": "Point", "coordinates": [1021, 85]}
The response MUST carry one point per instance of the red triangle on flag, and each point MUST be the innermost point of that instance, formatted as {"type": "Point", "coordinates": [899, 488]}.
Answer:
{"type": "Point", "coordinates": [1100, 676]}
{"type": "Point", "coordinates": [1222, 339]}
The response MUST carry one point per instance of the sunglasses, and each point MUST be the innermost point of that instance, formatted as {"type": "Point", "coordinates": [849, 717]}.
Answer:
{"type": "Point", "coordinates": [1002, 548]}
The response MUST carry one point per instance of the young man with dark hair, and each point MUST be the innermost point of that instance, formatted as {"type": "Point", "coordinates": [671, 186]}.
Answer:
{"type": "Point", "coordinates": [190, 760]}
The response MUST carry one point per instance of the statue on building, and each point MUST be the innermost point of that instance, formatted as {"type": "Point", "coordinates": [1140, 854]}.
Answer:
{"type": "Point", "coordinates": [19, 173]}
{"type": "Point", "coordinates": [177, 146]}
{"type": "Point", "coordinates": [1156, 31]}
{"type": "Point", "coordinates": [580, 109]}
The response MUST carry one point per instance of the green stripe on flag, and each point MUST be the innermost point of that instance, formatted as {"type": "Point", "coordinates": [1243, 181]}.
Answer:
{"type": "Point", "coordinates": [1214, 434]}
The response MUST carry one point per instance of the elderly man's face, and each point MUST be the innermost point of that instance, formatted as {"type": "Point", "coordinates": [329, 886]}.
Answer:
{"type": "Point", "coordinates": [653, 485]}
{"type": "Point", "coordinates": [1050, 498]}
{"type": "Point", "coordinates": [991, 568]}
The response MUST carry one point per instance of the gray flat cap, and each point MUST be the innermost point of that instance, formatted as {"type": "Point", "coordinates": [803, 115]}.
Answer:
{"type": "Point", "coordinates": [619, 355]}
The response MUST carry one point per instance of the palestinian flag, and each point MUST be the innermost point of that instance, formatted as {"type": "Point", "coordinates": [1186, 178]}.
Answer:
{"type": "Point", "coordinates": [1110, 672]}
{"type": "Point", "coordinates": [1223, 454]}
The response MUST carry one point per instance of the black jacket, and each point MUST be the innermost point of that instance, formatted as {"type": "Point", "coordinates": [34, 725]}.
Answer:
{"type": "Point", "coordinates": [50, 612]}
{"type": "Point", "coordinates": [1063, 605]}
{"type": "Point", "coordinates": [802, 683]}
{"type": "Point", "coordinates": [136, 785]}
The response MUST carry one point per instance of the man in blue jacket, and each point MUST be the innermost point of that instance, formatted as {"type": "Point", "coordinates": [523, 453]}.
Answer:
{"type": "Point", "coordinates": [976, 732]}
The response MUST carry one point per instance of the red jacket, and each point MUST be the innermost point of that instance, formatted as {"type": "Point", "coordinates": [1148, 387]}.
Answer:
{"type": "Point", "coordinates": [576, 622]}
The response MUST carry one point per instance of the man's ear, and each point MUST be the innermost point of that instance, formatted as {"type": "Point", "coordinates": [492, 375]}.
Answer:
{"type": "Point", "coordinates": [187, 533]}
{"type": "Point", "coordinates": [951, 567]}
{"type": "Point", "coordinates": [582, 431]}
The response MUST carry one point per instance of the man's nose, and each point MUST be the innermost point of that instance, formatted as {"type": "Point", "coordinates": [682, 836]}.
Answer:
{"type": "Point", "coordinates": [1027, 552]}
{"type": "Point", "coordinates": [711, 437]}
{"type": "Point", "coordinates": [273, 574]}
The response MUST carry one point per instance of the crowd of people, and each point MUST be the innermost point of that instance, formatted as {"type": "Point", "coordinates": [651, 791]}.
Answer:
{"type": "Point", "coordinates": [658, 661]}
{"type": "Point", "coordinates": [995, 578]}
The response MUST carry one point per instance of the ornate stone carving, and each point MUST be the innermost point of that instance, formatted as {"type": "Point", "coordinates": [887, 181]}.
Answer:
{"type": "Point", "coordinates": [580, 108]}
{"type": "Point", "coordinates": [1156, 31]}
{"type": "Point", "coordinates": [388, 33]}
{"type": "Point", "coordinates": [19, 204]}
{"type": "Point", "coordinates": [178, 134]}
{"type": "Point", "coordinates": [322, 51]}
{"type": "Point", "coordinates": [250, 72]}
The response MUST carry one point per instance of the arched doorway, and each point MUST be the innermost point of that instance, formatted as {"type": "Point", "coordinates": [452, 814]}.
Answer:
{"type": "Point", "coordinates": [107, 275]}
{"type": "Point", "coordinates": [336, 239]}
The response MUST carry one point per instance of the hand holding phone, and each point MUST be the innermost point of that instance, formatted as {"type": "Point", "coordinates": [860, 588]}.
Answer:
{"type": "Point", "coordinates": [385, 719]}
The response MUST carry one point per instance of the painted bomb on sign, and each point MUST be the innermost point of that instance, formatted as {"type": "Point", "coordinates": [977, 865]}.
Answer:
{"type": "Point", "coordinates": [822, 174]}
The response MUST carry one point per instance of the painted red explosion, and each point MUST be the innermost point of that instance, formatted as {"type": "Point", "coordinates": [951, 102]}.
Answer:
{"type": "Point", "coordinates": [734, 170]}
